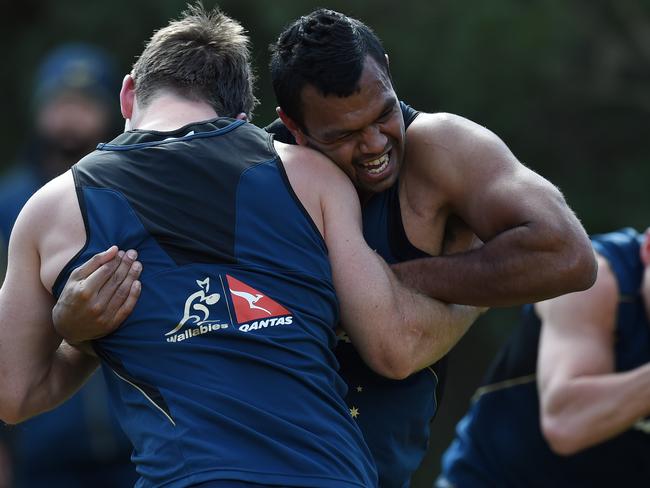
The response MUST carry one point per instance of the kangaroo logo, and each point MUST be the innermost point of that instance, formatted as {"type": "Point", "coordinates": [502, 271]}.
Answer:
{"type": "Point", "coordinates": [251, 299]}
{"type": "Point", "coordinates": [196, 311]}
{"type": "Point", "coordinates": [251, 304]}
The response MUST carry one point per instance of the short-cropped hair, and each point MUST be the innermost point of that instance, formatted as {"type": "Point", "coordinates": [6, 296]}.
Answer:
{"type": "Point", "coordinates": [203, 56]}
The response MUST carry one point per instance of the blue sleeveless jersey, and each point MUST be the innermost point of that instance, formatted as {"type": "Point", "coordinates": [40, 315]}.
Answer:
{"type": "Point", "coordinates": [225, 369]}
{"type": "Point", "coordinates": [499, 441]}
{"type": "Point", "coordinates": [394, 416]}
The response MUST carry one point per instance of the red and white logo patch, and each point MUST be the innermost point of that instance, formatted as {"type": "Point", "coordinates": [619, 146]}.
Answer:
{"type": "Point", "coordinates": [250, 304]}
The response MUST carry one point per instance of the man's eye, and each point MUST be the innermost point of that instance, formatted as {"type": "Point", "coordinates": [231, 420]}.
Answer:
{"type": "Point", "coordinates": [344, 137]}
{"type": "Point", "coordinates": [386, 115]}
{"type": "Point", "coordinates": [341, 138]}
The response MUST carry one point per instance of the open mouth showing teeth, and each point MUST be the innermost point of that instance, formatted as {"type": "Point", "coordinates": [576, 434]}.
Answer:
{"type": "Point", "coordinates": [376, 166]}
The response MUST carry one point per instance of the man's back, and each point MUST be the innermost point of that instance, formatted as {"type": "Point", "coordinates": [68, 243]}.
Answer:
{"type": "Point", "coordinates": [237, 308]}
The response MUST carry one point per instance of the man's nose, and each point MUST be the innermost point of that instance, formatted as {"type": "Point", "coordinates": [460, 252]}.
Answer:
{"type": "Point", "coordinates": [373, 141]}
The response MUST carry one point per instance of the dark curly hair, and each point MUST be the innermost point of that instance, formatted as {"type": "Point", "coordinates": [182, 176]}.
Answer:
{"type": "Point", "coordinates": [326, 49]}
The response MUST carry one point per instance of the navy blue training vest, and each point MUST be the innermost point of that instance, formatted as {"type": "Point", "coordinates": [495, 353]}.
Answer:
{"type": "Point", "coordinates": [225, 369]}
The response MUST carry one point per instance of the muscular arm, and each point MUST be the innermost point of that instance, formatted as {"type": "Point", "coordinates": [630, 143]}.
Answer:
{"type": "Point", "coordinates": [582, 400]}
{"type": "Point", "coordinates": [396, 330]}
{"type": "Point", "coordinates": [535, 247]}
{"type": "Point", "coordinates": [37, 370]}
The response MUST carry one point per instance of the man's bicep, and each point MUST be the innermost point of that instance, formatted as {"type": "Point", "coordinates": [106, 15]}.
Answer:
{"type": "Point", "coordinates": [498, 185]}
{"type": "Point", "coordinates": [483, 181]}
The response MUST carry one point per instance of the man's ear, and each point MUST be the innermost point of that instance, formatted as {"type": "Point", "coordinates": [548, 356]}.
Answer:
{"type": "Point", "coordinates": [127, 97]}
{"type": "Point", "coordinates": [645, 249]}
{"type": "Point", "coordinates": [295, 130]}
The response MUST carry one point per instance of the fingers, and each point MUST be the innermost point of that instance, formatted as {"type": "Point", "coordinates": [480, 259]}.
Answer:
{"type": "Point", "coordinates": [125, 295]}
{"type": "Point", "coordinates": [120, 272]}
{"type": "Point", "coordinates": [93, 264]}
{"type": "Point", "coordinates": [92, 307]}
{"type": "Point", "coordinates": [129, 304]}
{"type": "Point", "coordinates": [103, 275]}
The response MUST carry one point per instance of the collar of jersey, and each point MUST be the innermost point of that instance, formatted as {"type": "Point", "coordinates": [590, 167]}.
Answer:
{"type": "Point", "coordinates": [135, 139]}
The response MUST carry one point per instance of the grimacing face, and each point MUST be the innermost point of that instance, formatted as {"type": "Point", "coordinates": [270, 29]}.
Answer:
{"type": "Point", "coordinates": [363, 133]}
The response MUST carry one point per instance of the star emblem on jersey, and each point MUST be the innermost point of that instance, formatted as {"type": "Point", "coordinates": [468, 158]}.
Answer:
{"type": "Point", "coordinates": [253, 309]}
{"type": "Point", "coordinates": [354, 412]}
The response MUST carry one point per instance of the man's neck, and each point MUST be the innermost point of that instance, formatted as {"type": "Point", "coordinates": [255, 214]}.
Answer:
{"type": "Point", "coordinates": [168, 112]}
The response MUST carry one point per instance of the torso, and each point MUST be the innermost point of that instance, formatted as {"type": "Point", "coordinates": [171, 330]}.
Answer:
{"type": "Point", "coordinates": [411, 220]}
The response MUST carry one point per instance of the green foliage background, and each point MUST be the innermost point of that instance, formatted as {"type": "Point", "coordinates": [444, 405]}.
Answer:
{"type": "Point", "coordinates": [564, 82]}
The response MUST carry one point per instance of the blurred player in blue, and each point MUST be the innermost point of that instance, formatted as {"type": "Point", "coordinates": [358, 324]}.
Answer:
{"type": "Point", "coordinates": [577, 413]}
{"type": "Point", "coordinates": [79, 444]}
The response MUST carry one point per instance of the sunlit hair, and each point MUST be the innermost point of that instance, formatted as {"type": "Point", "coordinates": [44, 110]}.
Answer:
{"type": "Point", "coordinates": [326, 49]}
{"type": "Point", "coordinates": [202, 56]}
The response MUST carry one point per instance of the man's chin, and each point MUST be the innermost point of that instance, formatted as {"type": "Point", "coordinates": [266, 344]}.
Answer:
{"type": "Point", "coordinates": [380, 185]}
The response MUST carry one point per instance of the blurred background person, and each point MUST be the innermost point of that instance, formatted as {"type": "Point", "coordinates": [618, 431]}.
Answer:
{"type": "Point", "coordinates": [78, 444]}
{"type": "Point", "coordinates": [71, 114]}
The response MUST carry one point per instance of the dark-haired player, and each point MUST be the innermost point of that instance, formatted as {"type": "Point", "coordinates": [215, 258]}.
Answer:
{"type": "Point", "coordinates": [428, 183]}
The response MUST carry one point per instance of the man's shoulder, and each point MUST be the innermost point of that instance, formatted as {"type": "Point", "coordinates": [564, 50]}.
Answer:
{"type": "Point", "coordinates": [52, 199]}
{"type": "Point", "coordinates": [444, 141]}
{"type": "Point", "coordinates": [441, 125]}
{"type": "Point", "coordinates": [303, 160]}
{"type": "Point", "coordinates": [310, 170]}
{"type": "Point", "coordinates": [433, 142]}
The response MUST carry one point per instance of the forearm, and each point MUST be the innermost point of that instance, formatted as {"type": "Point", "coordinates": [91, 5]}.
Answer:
{"type": "Point", "coordinates": [434, 327]}
{"type": "Point", "coordinates": [411, 329]}
{"type": "Point", "coordinates": [43, 386]}
{"type": "Point", "coordinates": [515, 267]}
{"type": "Point", "coordinates": [589, 410]}
{"type": "Point", "coordinates": [396, 330]}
